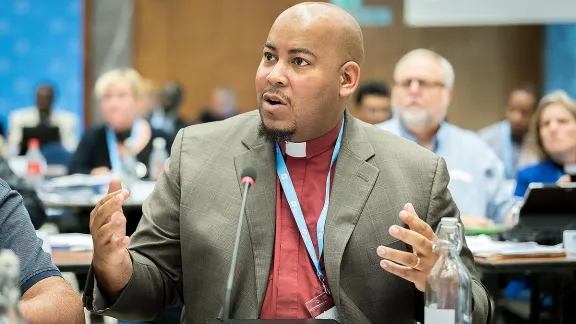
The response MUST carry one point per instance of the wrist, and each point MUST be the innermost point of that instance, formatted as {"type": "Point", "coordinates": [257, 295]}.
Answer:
{"type": "Point", "coordinates": [112, 280]}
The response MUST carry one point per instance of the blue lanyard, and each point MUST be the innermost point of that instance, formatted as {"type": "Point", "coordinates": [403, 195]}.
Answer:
{"type": "Point", "coordinates": [292, 198]}
{"type": "Point", "coordinates": [508, 150]}
{"type": "Point", "coordinates": [115, 161]}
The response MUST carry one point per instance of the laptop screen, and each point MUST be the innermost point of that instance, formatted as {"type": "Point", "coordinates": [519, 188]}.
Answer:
{"type": "Point", "coordinates": [541, 199]}
{"type": "Point", "coordinates": [44, 134]}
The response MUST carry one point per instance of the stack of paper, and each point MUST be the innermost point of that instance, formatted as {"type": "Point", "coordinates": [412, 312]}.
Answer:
{"type": "Point", "coordinates": [484, 246]}
{"type": "Point", "coordinates": [71, 242]}
{"type": "Point", "coordinates": [80, 180]}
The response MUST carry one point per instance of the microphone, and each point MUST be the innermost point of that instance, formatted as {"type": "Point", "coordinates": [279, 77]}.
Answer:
{"type": "Point", "coordinates": [247, 180]}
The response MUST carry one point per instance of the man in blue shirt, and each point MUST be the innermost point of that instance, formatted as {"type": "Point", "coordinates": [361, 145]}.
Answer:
{"type": "Point", "coordinates": [46, 297]}
{"type": "Point", "coordinates": [420, 98]}
{"type": "Point", "coordinates": [509, 137]}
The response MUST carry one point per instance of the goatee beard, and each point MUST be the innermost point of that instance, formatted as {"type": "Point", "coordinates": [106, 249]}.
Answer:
{"type": "Point", "coordinates": [275, 135]}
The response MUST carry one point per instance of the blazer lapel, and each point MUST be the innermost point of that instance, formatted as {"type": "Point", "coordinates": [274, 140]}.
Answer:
{"type": "Point", "coordinates": [260, 207]}
{"type": "Point", "coordinates": [353, 183]}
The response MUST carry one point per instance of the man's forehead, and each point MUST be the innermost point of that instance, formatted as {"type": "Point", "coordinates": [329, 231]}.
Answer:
{"type": "Point", "coordinates": [421, 66]}
{"type": "Point", "coordinates": [286, 30]}
{"type": "Point", "coordinates": [287, 40]}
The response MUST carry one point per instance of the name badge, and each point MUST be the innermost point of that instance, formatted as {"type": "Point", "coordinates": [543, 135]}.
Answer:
{"type": "Point", "coordinates": [323, 307]}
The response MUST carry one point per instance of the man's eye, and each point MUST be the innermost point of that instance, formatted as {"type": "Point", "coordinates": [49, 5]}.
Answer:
{"type": "Point", "coordinates": [268, 57]}
{"type": "Point", "coordinates": [300, 61]}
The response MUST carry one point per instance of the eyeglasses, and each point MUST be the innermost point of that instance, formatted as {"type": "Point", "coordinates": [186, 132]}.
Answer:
{"type": "Point", "coordinates": [425, 84]}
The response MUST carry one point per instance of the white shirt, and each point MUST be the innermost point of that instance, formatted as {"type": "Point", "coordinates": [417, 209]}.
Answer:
{"type": "Point", "coordinates": [29, 117]}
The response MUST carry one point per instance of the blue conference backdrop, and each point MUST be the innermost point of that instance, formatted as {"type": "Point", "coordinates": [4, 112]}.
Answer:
{"type": "Point", "coordinates": [41, 41]}
{"type": "Point", "coordinates": [560, 58]}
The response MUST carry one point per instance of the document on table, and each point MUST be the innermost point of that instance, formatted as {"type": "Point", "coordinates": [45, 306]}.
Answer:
{"type": "Point", "coordinates": [484, 246]}
{"type": "Point", "coordinates": [67, 241]}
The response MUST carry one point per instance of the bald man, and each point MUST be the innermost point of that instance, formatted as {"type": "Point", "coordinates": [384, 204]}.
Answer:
{"type": "Point", "coordinates": [339, 223]}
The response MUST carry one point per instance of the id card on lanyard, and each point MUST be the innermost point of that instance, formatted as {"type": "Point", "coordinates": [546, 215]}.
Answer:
{"type": "Point", "coordinates": [323, 305]}
{"type": "Point", "coordinates": [112, 143]}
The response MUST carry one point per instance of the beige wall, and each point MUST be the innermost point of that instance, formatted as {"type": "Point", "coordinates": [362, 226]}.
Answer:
{"type": "Point", "coordinates": [205, 43]}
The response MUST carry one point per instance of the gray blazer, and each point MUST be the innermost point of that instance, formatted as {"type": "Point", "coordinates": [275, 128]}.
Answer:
{"type": "Point", "coordinates": [182, 248]}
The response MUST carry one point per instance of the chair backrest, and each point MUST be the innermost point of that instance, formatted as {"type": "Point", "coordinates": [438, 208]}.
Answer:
{"type": "Point", "coordinates": [55, 153]}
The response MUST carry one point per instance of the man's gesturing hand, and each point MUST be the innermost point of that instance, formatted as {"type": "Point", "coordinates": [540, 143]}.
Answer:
{"type": "Point", "coordinates": [111, 261]}
{"type": "Point", "coordinates": [415, 266]}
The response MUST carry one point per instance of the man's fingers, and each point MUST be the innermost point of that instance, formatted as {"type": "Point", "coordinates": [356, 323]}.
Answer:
{"type": "Point", "coordinates": [404, 258]}
{"type": "Point", "coordinates": [114, 186]}
{"type": "Point", "coordinates": [101, 202]}
{"type": "Point", "coordinates": [121, 242]}
{"type": "Point", "coordinates": [108, 230]}
{"type": "Point", "coordinates": [111, 195]}
{"type": "Point", "coordinates": [399, 270]}
{"type": "Point", "coordinates": [418, 278]}
{"type": "Point", "coordinates": [409, 216]}
{"type": "Point", "coordinates": [102, 215]}
{"type": "Point", "coordinates": [419, 243]}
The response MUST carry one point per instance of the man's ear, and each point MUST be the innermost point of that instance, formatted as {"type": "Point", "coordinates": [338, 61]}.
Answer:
{"type": "Point", "coordinates": [349, 78]}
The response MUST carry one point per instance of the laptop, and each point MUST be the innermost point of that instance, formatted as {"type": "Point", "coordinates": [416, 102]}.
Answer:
{"type": "Point", "coordinates": [44, 134]}
{"type": "Point", "coordinates": [547, 211]}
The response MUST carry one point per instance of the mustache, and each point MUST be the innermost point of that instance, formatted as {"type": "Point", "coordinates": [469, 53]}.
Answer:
{"type": "Point", "coordinates": [277, 92]}
{"type": "Point", "coordinates": [411, 101]}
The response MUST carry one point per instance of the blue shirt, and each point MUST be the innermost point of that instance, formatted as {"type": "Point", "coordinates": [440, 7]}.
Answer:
{"type": "Point", "coordinates": [514, 155]}
{"type": "Point", "coordinates": [477, 181]}
{"type": "Point", "coordinates": [18, 235]}
{"type": "Point", "coordinates": [545, 172]}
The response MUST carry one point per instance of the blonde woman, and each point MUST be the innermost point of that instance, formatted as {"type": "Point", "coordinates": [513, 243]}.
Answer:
{"type": "Point", "coordinates": [102, 147]}
{"type": "Point", "coordinates": [554, 135]}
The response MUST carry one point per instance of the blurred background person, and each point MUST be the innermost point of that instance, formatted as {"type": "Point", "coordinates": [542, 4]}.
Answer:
{"type": "Point", "coordinates": [508, 138]}
{"type": "Point", "coordinates": [167, 118]}
{"type": "Point", "coordinates": [554, 132]}
{"type": "Point", "coordinates": [423, 82]}
{"type": "Point", "coordinates": [373, 102]}
{"type": "Point", "coordinates": [150, 99]}
{"type": "Point", "coordinates": [33, 204]}
{"type": "Point", "coordinates": [102, 147]}
{"type": "Point", "coordinates": [222, 105]}
{"type": "Point", "coordinates": [43, 114]}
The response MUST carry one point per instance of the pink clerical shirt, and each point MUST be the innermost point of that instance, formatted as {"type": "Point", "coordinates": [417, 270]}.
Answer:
{"type": "Point", "coordinates": [293, 280]}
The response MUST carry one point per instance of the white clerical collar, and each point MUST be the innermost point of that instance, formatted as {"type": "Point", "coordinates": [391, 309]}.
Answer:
{"type": "Point", "coordinates": [297, 150]}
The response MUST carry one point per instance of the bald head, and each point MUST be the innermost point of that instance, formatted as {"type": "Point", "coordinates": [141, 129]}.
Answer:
{"type": "Point", "coordinates": [327, 20]}
{"type": "Point", "coordinates": [310, 67]}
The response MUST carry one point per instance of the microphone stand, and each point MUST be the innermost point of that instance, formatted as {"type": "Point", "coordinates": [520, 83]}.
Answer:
{"type": "Point", "coordinates": [235, 255]}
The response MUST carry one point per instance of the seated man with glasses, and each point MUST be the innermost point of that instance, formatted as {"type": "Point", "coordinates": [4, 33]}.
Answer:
{"type": "Point", "coordinates": [420, 98]}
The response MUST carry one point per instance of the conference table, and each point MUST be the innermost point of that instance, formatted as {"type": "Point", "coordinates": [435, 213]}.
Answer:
{"type": "Point", "coordinates": [536, 267]}
{"type": "Point", "coordinates": [72, 261]}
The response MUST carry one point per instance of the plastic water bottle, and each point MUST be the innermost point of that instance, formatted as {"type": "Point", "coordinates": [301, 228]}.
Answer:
{"type": "Point", "coordinates": [157, 158]}
{"type": "Point", "coordinates": [36, 164]}
{"type": "Point", "coordinates": [448, 286]}
{"type": "Point", "coordinates": [9, 288]}
{"type": "Point", "coordinates": [128, 173]}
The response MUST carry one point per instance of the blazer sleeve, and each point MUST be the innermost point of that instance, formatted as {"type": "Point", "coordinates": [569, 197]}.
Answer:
{"type": "Point", "coordinates": [442, 205]}
{"type": "Point", "coordinates": [156, 281]}
{"type": "Point", "coordinates": [82, 160]}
